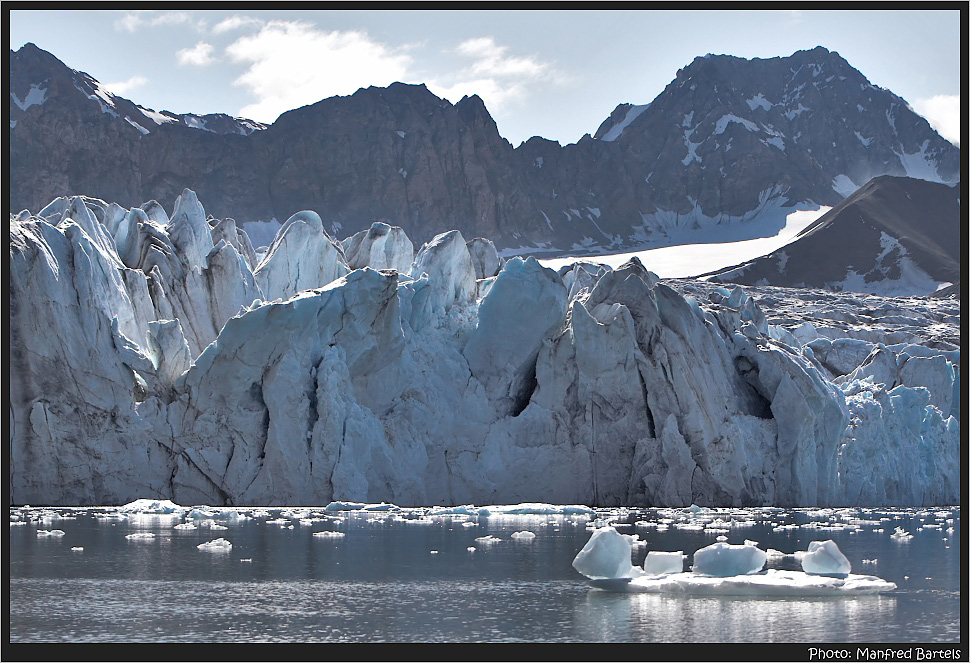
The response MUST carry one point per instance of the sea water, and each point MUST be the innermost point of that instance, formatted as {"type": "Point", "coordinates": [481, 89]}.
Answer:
{"type": "Point", "coordinates": [422, 575]}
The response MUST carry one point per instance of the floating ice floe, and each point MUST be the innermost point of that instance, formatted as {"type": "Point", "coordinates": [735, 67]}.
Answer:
{"type": "Point", "coordinates": [209, 524]}
{"type": "Point", "coordinates": [50, 532]}
{"type": "Point", "coordinates": [523, 535]}
{"type": "Point", "coordinates": [328, 534]}
{"type": "Point", "coordinates": [361, 506]}
{"type": "Point", "coordinates": [901, 535]}
{"type": "Point", "coordinates": [535, 508]}
{"type": "Point", "coordinates": [216, 545]}
{"type": "Point", "coordinates": [719, 569]}
{"type": "Point", "coordinates": [140, 536]}
{"type": "Point", "coordinates": [149, 506]}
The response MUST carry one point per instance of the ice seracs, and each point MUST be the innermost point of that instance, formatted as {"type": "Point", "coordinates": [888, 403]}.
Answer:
{"type": "Point", "coordinates": [302, 256]}
{"type": "Point", "coordinates": [383, 246]}
{"type": "Point", "coordinates": [142, 366]}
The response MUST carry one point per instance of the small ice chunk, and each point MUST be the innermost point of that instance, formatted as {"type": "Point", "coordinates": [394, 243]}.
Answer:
{"type": "Point", "coordinates": [329, 534]}
{"type": "Point", "coordinates": [825, 558]}
{"type": "Point", "coordinates": [50, 532]}
{"type": "Point", "coordinates": [606, 555]}
{"type": "Point", "coordinates": [140, 536]}
{"type": "Point", "coordinates": [659, 562]}
{"type": "Point", "coordinates": [216, 545]}
{"type": "Point", "coordinates": [722, 560]}
{"type": "Point", "coordinates": [524, 535]}
{"type": "Point", "coordinates": [77, 549]}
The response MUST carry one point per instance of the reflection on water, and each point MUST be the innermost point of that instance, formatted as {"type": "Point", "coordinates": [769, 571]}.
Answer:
{"type": "Point", "coordinates": [658, 618]}
{"type": "Point", "coordinates": [423, 576]}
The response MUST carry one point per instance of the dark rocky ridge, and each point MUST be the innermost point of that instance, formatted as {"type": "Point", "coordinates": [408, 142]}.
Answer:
{"type": "Point", "coordinates": [923, 218]}
{"type": "Point", "coordinates": [726, 138]}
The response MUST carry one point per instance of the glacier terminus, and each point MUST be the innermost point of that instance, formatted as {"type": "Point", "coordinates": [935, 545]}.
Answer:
{"type": "Point", "coordinates": [158, 355]}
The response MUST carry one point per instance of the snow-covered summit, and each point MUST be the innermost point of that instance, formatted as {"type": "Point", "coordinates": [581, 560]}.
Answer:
{"type": "Point", "coordinates": [37, 77]}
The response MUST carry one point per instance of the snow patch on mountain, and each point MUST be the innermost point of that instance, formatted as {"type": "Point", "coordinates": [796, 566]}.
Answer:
{"type": "Point", "coordinates": [631, 114]}
{"type": "Point", "coordinates": [34, 97]}
{"type": "Point", "coordinates": [728, 118]}
{"type": "Point", "coordinates": [759, 101]}
{"type": "Point", "coordinates": [157, 118]}
{"type": "Point", "coordinates": [98, 94]}
{"type": "Point", "coordinates": [920, 165]}
{"type": "Point", "coordinates": [844, 185]}
{"type": "Point", "coordinates": [900, 276]}
{"type": "Point", "coordinates": [140, 128]}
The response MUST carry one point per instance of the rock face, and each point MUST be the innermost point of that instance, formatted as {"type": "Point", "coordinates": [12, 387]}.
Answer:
{"type": "Point", "coordinates": [147, 360]}
{"type": "Point", "coordinates": [725, 150]}
{"type": "Point", "coordinates": [895, 233]}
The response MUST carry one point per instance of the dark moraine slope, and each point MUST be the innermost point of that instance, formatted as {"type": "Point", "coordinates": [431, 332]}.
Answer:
{"type": "Point", "coordinates": [878, 239]}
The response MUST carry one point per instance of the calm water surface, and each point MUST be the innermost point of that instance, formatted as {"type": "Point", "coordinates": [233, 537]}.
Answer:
{"type": "Point", "coordinates": [413, 576]}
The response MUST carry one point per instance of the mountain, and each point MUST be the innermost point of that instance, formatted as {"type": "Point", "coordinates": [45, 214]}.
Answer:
{"type": "Point", "coordinates": [895, 234]}
{"type": "Point", "coordinates": [724, 151]}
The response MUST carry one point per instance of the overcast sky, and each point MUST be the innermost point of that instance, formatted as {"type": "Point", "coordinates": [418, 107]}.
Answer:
{"type": "Point", "coordinates": [556, 74]}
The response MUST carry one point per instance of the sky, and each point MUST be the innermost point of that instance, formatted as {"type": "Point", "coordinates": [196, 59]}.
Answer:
{"type": "Point", "coordinates": [551, 73]}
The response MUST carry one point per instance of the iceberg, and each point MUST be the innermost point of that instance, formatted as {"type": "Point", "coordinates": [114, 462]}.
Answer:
{"type": "Point", "coordinates": [825, 558]}
{"type": "Point", "coordinates": [772, 583]}
{"type": "Point", "coordinates": [216, 545]}
{"type": "Point", "coordinates": [719, 570]}
{"type": "Point", "coordinates": [658, 562]}
{"type": "Point", "coordinates": [722, 560]}
{"type": "Point", "coordinates": [606, 556]}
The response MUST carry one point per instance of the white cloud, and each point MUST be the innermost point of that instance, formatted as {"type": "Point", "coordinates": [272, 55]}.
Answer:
{"type": "Point", "coordinates": [133, 21]}
{"type": "Point", "coordinates": [493, 74]}
{"type": "Point", "coordinates": [943, 113]}
{"type": "Point", "coordinates": [292, 64]}
{"type": "Point", "coordinates": [124, 87]}
{"type": "Point", "coordinates": [236, 22]}
{"type": "Point", "coordinates": [491, 60]}
{"type": "Point", "coordinates": [199, 55]}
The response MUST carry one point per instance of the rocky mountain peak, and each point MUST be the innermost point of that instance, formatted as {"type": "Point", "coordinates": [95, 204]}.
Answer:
{"type": "Point", "coordinates": [726, 143]}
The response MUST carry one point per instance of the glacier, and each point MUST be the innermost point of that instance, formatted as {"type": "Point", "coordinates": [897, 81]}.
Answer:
{"type": "Point", "coordinates": [161, 357]}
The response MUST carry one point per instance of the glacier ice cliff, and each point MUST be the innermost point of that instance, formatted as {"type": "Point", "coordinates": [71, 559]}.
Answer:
{"type": "Point", "coordinates": [162, 356]}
